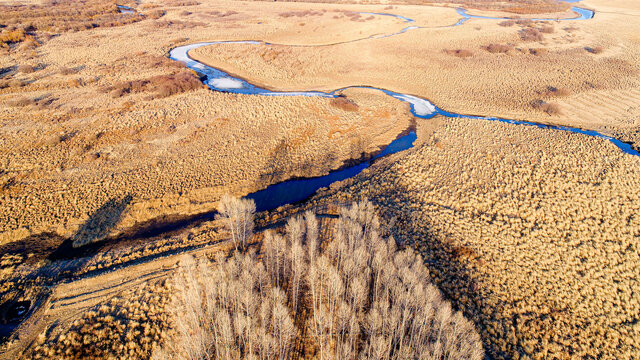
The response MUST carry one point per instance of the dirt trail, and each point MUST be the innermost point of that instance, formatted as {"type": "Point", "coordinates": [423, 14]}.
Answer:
{"type": "Point", "coordinates": [70, 300]}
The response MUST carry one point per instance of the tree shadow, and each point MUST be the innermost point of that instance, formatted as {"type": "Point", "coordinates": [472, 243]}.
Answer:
{"type": "Point", "coordinates": [453, 267]}
{"type": "Point", "coordinates": [101, 222]}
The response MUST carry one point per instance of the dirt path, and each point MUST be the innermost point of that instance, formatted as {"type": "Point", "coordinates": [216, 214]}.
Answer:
{"type": "Point", "coordinates": [68, 301]}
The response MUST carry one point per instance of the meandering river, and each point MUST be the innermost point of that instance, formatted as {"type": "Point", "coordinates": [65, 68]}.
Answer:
{"type": "Point", "coordinates": [292, 191]}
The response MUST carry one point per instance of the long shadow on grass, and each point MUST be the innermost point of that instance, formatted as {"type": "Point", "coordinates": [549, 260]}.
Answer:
{"type": "Point", "coordinates": [451, 266]}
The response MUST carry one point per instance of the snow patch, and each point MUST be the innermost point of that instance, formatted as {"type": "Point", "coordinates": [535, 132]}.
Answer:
{"type": "Point", "coordinates": [421, 107]}
{"type": "Point", "coordinates": [226, 83]}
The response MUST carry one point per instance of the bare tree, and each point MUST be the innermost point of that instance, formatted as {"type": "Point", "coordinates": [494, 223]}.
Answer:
{"type": "Point", "coordinates": [362, 298]}
{"type": "Point", "coordinates": [237, 215]}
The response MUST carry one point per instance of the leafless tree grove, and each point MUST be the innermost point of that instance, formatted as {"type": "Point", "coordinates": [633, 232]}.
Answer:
{"type": "Point", "coordinates": [354, 295]}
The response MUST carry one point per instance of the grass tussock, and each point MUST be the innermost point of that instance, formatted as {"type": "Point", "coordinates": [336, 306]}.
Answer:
{"type": "Point", "coordinates": [531, 34]}
{"type": "Point", "coordinates": [178, 3]}
{"type": "Point", "coordinates": [499, 48]}
{"type": "Point", "coordinates": [221, 14]}
{"type": "Point", "coordinates": [26, 69]}
{"type": "Point", "coordinates": [66, 71]}
{"type": "Point", "coordinates": [302, 13]}
{"type": "Point", "coordinates": [547, 29]}
{"type": "Point", "coordinates": [22, 101]}
{"type": "Point", "coordinates": [351, 294]}
{"type": "Point", "coordinates": [538, 51]}
{"type": "Point", "coordinates": [550, 108]}
{"type": "Point", "coordinates": [558, 92]}
{"type": "Point", "coordinates": [177, 24]}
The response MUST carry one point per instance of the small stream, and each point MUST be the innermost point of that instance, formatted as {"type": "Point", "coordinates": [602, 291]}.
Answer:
{"type": "Point", "coordinates": [583, 14]}
{"type": "Point", "coordinates": [295, 190]}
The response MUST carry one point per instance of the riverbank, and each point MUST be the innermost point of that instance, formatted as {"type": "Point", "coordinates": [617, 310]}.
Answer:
{"type": "Point", "coordinates": [77, 150]}
{"type": "Point", "coordinates": [555, 77]}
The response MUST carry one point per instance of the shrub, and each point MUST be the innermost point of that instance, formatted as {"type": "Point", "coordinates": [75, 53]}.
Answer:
{"type": "Point", "coordinates": [168, 85]}
{"type": "Point", "coordinates": [22, 101]}
{"type": "Point", "coordinates": [343, 103]}
{"type": "Point", "coordinates": [539, 51]}
{"type": "Point", "coordinates": [507, 23]}
{"type": "Point", "coordinates": [498, 48]}
{"type": "Point", "coordinates": [183, 3]}
{"type": "Point", "coordinates": [217, 13]}
{"type": "Point", "coordinates": [531, 35]}
{"type": "Point", "coordinates": [548, 29]}
{"type": "Point", "coordinates": [549, 108]}
{"type": "Point", "coordinates": [524, 22]}
{"type": "Point", "coordinates": [559, 92]}
{"type": "Point", "coordinates": [156, 14]}
{"type": "Point", "coordinates": [66, 71]}
{"type": "Point", "coordinates": [163, 85]}
{"type": "Point", "coordinates": [26, 69]}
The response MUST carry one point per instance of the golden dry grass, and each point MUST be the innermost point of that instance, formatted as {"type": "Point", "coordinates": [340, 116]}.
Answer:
{"type": "Point", "coordinates": [70, 148]}
{"type": "Point", "coordinates": [532, 232]}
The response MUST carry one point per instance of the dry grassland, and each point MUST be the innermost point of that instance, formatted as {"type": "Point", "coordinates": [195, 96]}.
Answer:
{"type": "Point", "coordinates": [510, 6]}
{"type": "Point", "coordinates": [127, 313]}
{"type": "Point", "coordinates": [532, 232]}
{"type": "Point", "coordinates": [82, 133]}
{"type": "Point", "coordinates": [524, 60]}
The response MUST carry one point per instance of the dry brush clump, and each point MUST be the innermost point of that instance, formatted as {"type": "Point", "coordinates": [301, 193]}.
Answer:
{"type": "Point", "coordinates": [531, 34]}
{"type": "Point", "coordinates": [558, 91]}
{"type": "Point", "coordinates": [127, 326]}
{"type": "Point", "coordinates": [161, 85]}
{"type": "Point", "coordinates": [549, 107]}
{"type": "Point", "coordinates": [538, 51]}
{"type": "Point", "coordinates": [342, 102]}
{"type": "Point", "coordinates": [25, 23]}
{"type": "Point", "coordinates": [351, 295]}
{"type": "Point", "coordinates": [461, 53]}
{"type": "Point", "coordinates": [301, 13]}
{"type": "Point", "coordinates": [594, 50]}
{"type": "Point", "coordinates": [499, 48]}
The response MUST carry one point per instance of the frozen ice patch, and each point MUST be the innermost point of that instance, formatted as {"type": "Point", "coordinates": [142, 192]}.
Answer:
{"type": "Point", "coordinates": [226, 83]}
{"type": "Point", "coordinates": [421, 107]}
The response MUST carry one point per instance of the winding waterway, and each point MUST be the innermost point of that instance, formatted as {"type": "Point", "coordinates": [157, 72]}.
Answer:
{"type": "Point", "coordinates": [292, 191]}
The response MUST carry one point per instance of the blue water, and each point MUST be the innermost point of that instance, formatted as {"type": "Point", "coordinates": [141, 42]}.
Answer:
{"type": "Point", "coordinates": [126, 9]}
{"type": "Point", "coordinates": [405, 19]}
{"type": "Point", "coordinates": [292, 191]}
{"type": "Point", "coordinates": [583, 14]}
